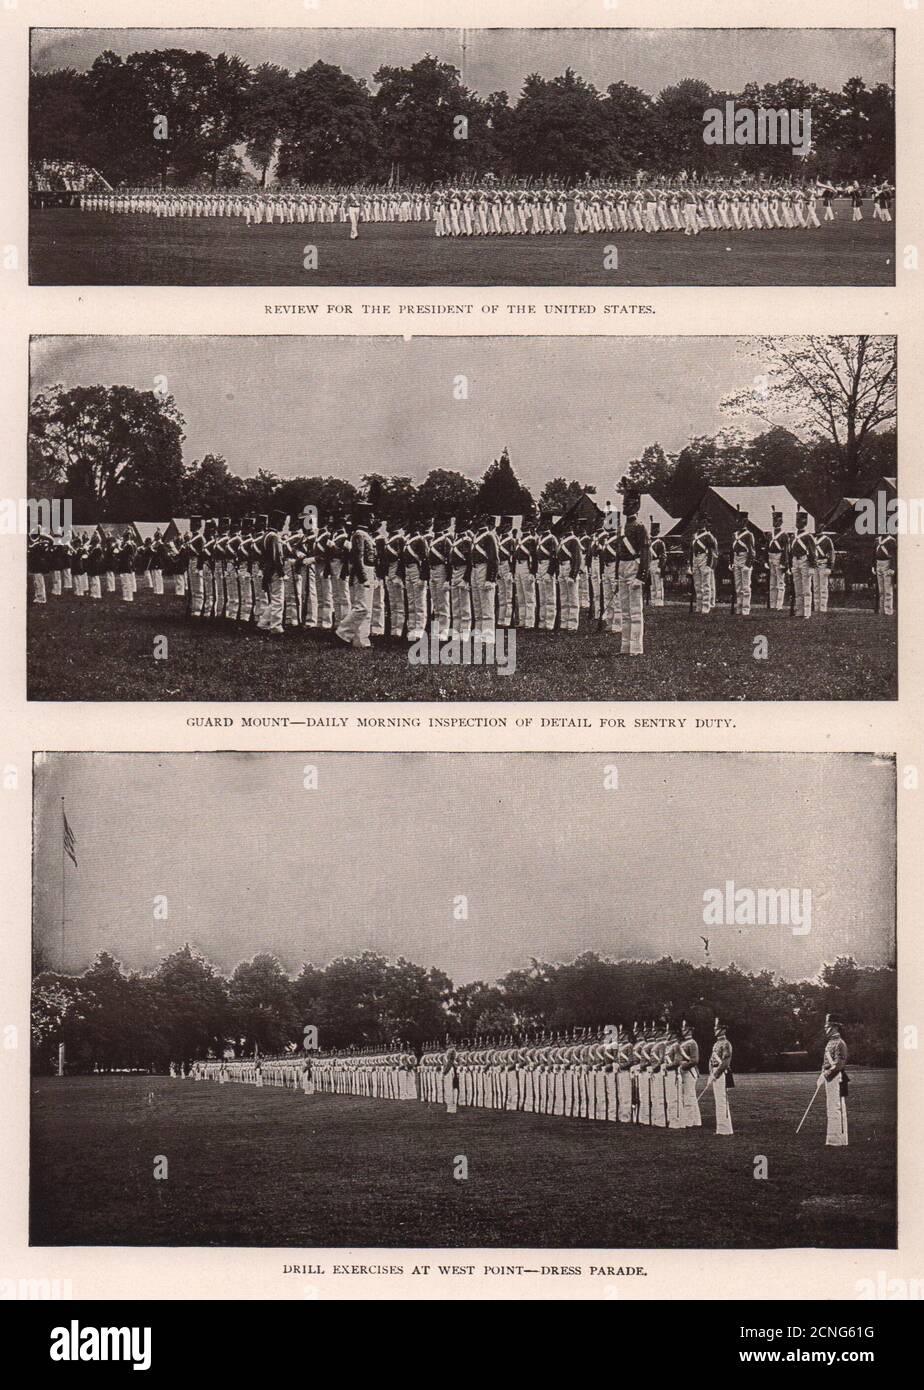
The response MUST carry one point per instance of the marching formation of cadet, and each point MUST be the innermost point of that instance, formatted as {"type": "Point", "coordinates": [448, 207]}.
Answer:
{"type": "Point", "coordinates": [798, 564]}
{"type": "Point", "coordinates": [648, 204]}
{"type": "Point", "coordinates": [646, 1076]}
{"type": "Point", "coordinates": [362, 578]}
{"type": "Point", "coordinates": [649, 1075]}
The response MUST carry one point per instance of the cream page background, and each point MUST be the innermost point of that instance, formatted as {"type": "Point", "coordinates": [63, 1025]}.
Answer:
{"type": "Point", "coordinates": [880, 727]}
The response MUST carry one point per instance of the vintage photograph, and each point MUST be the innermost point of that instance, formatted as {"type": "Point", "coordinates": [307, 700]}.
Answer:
{"type": "Point", "coordinates": [318, 157]}
{"type": "Point", "coordinates": [363, 518]}
{"type": "Point", "coordinates": [622, 1001]}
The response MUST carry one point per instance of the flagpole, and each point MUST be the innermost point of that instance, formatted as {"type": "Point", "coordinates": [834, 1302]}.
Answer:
{"type": "Point", "coordinates": [63, 884]}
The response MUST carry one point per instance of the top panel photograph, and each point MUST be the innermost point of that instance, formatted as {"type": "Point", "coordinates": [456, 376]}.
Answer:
{"type": "Point", "coordinates": [462, 157]}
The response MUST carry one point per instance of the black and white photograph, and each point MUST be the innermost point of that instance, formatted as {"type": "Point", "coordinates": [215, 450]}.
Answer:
{"type": "Point", "coordinates": [603, 1001]}
{"type": "Point", "coordinates": [450, 157]}
{"type": "Point", "coordinates": [370, 518]}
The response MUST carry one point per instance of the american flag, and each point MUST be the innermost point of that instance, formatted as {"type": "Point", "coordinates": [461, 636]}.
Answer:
{"type": "Point", "coordinates": [70, 841]}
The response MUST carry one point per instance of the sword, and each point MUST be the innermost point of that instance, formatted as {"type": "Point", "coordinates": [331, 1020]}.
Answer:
{"type": "Point", "coordinates": [705, 1089]}
{"type": "Point", "coordinates": [808, 1108]}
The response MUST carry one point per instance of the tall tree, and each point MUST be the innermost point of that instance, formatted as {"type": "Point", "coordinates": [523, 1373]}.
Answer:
{"type": "Point", "coordinates": [501, 491]}
{"type": "Point", "coordinates": [840, 389]}
{"type": "Point", "coordinates": [446, 493]}
{"type": "Point", "coordinates": [330, 133]}
{"type": "Point", "coordinates": [267, 114]}
{"type": "Point", "coordinates": [418, 110]}
{"type": "Point", "coordinates": [118, 449]}
{"type": "Point", "coordinates": [560, 128]}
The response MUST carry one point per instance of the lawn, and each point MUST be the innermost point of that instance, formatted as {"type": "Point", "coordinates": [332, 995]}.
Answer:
{"type": "Point", "coordinates": [276, 1168]}
{"type": "Point", "coordinates": [69, 247]}
{"type": "Point", "coordinates": [80, 649]}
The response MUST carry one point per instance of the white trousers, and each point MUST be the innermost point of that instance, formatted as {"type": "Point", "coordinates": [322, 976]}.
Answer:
{"type": "Point", "coordinates": [631, 608]}
{"type": "Point", "coordinates": [270, 619]}
{"type": "Point", "coordinates": [837, 1114]}
{"type": "Point", "coordinates": [546, 584]}
{"type": "Point", "coordinates": [689, 1105]}
{"type": "Point", "coordinates": [416, 590]}
{"type": "Point", "coordinates": [702, 576]}
{"type": "Point", "coordinates": [526, 596]}
{"type": "Point", "coordinates": [741, 574]}
{"type": "Point", "coordinates": [484, 598]}
{"type": "Point", "coordinates": [568, 597]}
{"type": "Point", "coordinates": [777, 582]}
{"type": "Point", "coordinates": [884, 584]}
{"type": "Point", "coordinates": [802, 584]}
{"type": "Point", "coordinates": [439, 599]}
{"type": "Point", "coordinates": [821, 577]}
{"type": "Point", "coordinates": [461, 623]}
{"type": "Point", "coordinates": [723, 1124]}
{"type": "Point", "coordinates": [504, 595]}
{"type": "Point", "coordinates": [357, 624]}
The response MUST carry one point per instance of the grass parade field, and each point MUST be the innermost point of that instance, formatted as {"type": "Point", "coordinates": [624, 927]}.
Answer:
{"type": "Point", "coordinates": [70, 247]}
{"type": "Point", "coordinates": [80, 649]}
{"type": "Point", "coordinates": [272, 1167]}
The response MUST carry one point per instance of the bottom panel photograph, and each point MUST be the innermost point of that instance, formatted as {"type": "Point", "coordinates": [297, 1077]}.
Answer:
{"type": "Point", "coordinates": [431, 1000]}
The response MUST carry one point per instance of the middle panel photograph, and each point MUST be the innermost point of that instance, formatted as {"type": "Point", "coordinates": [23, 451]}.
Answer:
{"type": "Point", "coordinates": [462, 518]}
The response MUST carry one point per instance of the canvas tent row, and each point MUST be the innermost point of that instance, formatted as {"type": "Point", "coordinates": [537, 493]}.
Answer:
{"type": "Point", "coordinates": [718, 507]}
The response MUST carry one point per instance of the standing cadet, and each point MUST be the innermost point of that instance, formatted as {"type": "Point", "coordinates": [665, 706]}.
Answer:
{"type": "Point", "coordinates": [778, 562]}
{"type": "Point", "coordinates": [272, 574]}
{"type": "Point", "coordinates": [394, 577]}
{"type": "Point", "coordinates": [37, 562]}
{"type": "Point", "coordinates": [609, 563]}
{"type": "Point", "coordinates": [835, 1080]}
{"type": "Point", "coordinates": [484, 570]}
{"type": "Point", "coordinates": [657, 1043]}
{"type": "Point", "coordinates": [672, 1097]}
{"type": "Point", "coordinates": [439, 546]}
{"type": "Point", "coordinates": [460, 562]}
{"type": "Point", "coordinates": [703, 553]}
{"type": "Point", "coordinates": [355, 627]}
{"type": "Point", "coordinates": [194, 551]}
{"type": "Point", "coordinates": [633, 552]}
{"type": "Point", "coordinates": [722, 1078]}
{"type": "Point", "coordinates": [802, 560]}
{"type": "Point", "coordinates": [415, 583]}
{"type": "Point", "coordinates": [322, 561]}
{"type": "Point", "coordinates": [742, 563]}
{"type": "Point", "coordinates": [885, 573]}
{"type": "Point", "coordinates": [450, 1072]}
{"type": "Point", "coordinates": [525, 574]}
{"type": "Point", "coordinates": [546, 553]}
{"type": "Point", "coordinates": [340, 570]}
{"type": "Point", "coordinates": [506, 546]}
{"type": "Point", "coordinates": [689, 1071]}
{"type": "Point", "coordinates": [657, 564]}
{"type": "Point", "coordinates": [570, 565]}
{"type": "Point", "coordinates": [825, 557]}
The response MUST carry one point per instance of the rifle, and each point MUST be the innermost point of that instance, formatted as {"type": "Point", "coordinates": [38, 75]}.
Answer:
{"type": "Point", "coordinates": [875, 589]}
{"type": "Point", "coordinates": [692, 590]}
{"type": "Point", "coordinates": [792, 592]}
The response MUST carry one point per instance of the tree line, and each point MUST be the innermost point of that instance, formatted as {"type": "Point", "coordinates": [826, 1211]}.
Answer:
{"type": "Point", "coordinates": [175, 117]}
{"type": "Point", "coordinates": [186, 1008]}
{"type": "Point", "coordinates": [828, 405]}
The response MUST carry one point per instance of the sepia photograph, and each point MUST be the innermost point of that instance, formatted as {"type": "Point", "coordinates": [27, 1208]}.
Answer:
{"type": "Point", "coordinates": [520, 157]}
{"type": "Point", "coordinates": [622, 1001]}
{"type": "Point", "coordinates": [361, 518]}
